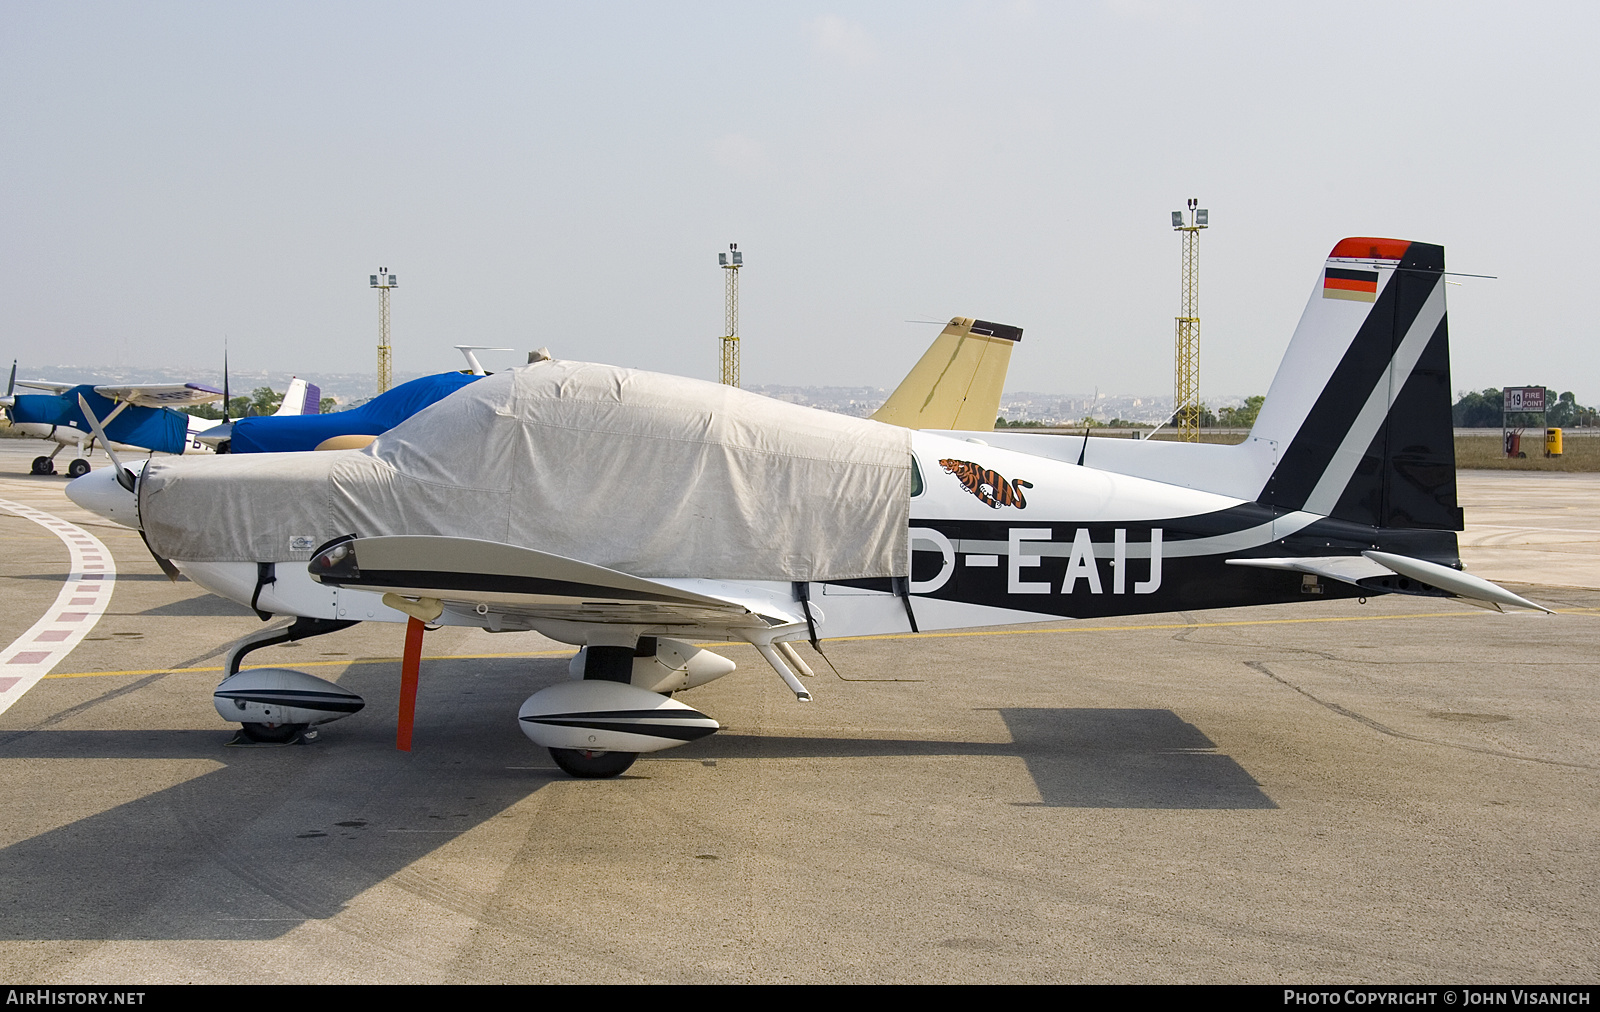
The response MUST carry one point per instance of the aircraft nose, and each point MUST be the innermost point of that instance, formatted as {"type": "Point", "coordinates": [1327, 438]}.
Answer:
{"type": "Point", "coordinates": [99, 492]}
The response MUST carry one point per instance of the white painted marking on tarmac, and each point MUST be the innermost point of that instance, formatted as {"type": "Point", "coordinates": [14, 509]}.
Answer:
{"type": "Point", "coordinates": [1562, 530]}
{"type": "Point", "coordinates": [91, 577]}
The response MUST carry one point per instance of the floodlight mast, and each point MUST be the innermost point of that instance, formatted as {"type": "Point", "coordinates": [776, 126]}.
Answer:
{"type": "Point", "coordinates": [383, 281]}
{"type": "Point", "coordinates": [731, 261]}
{"type": "Point", "coordinates": [1186, 392]}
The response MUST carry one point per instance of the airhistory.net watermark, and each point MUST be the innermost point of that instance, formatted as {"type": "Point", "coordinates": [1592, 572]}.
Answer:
{"type": "Point", "coordinates": [55, 996]}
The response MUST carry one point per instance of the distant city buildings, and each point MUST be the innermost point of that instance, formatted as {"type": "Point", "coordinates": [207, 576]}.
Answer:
{"type": "Point", "coordinates": [1018, 406]}
{"type": "Point", "coordinates": [348, 388]}
{"type": "Point", "coordinates": [351, 389]}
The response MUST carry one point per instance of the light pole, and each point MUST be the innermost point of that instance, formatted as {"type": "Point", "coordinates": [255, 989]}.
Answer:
{"type": "Point", "coordinates": [731, 261]}
{"type": "Point", "coordinates": [1186, 389]}
{"type": "Point", "coordinates": [383, 281]}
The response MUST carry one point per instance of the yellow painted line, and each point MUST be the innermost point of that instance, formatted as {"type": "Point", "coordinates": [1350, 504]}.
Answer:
{"type": "Point", "coordinates": [853, 639]}
{"type": "Point", "coordinates": [1188, 625]}
{"type": "Point", "coordinates": [108, 674]}
{"type": "Point", "coordinates": [317, 664]}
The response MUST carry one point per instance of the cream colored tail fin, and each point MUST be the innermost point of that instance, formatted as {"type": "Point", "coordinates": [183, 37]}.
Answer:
{"type": "Point", "coordinates": [958, 381]}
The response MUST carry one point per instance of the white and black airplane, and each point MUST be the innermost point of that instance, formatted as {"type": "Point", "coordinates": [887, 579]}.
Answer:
{"type": "Point", "coordinates": [629, 513]}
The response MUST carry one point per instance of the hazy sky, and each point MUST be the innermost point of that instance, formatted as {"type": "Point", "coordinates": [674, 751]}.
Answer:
{"type": "Point", "coordinates": [565, 174]}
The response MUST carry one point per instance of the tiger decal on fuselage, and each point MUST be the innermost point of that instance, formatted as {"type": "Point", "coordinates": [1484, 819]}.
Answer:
{"type": "Point", "coordinates": [991, 489]}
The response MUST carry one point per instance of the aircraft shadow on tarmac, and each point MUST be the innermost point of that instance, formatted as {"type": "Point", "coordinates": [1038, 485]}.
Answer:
{"type": "Point", "coordinates": [55, 578]}
{"type": "Point", "coordinates": [1078, 758]}
{"type": "Point", "coordinates": [279, 836]}
{"type": "Point", "coordinates": [200, 606]}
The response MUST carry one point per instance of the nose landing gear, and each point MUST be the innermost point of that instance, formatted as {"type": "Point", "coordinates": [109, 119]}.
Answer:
{"type": "Point", "coordinates": [272, 734]}
{"type": "Point", "coordinates": [587, 764]}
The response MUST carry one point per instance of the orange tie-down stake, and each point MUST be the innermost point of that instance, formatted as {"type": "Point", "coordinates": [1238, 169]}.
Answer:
{"type": "Point", "coordinates": [421, 612]}
{"type": "Point", "coordinates": [409, 666]}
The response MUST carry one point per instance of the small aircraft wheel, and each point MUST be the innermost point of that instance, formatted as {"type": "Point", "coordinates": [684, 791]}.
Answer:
{"type": "Point", "coordinates": [272, 733]}
{"type": "Point", "coordinates": [44, 465]}
{"type": "Point", "coordinates": [78, 468]}
{"type": "Point", "coordinates": [587, 765]}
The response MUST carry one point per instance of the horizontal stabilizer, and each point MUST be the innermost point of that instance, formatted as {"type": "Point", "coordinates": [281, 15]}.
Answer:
{"type": "Point", "coordinates": [1453, 580]}
{"type": "Point", "coordinates": [1350, 569]}
{"type": "Point", "coordinates": [1375, 571]}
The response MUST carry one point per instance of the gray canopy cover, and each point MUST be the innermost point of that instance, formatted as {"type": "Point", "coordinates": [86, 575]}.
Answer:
{"type": "Point", "coordinates": [654, 475]}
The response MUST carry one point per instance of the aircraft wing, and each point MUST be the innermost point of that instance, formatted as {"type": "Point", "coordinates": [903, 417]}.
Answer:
{"type": "Point", "coordinates": [55, 388]}
{"type": "Point", "coordinates": [160, 395]}
{"type": "Point", "coordinates": [466, 576]}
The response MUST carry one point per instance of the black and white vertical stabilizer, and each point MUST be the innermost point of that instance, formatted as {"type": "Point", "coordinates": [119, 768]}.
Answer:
{"type": "Point", "coordinates": [1359, 413]}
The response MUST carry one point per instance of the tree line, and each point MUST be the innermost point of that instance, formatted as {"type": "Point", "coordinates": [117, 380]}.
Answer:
{"type": "Point", "coordinates": [260, 401]}
{"type": "Point", "coordinates": [1240, 417]}
{"type": "Point", "coordinates": [1475, 410]}
{"type": "Point", "coordinates": [1482, 410]}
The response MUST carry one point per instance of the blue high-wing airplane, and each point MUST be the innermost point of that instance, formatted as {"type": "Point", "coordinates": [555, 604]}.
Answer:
{"type": "Point", "coordinates": [135, 416]}
{"type": "Point", "coordinates": [141, 416]}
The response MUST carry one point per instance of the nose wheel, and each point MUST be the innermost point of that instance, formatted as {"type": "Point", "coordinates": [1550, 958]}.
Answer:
{"type": "Point", "coordinates": [590, 765]}
{"type": "Point", "coordinates": [273, 734]}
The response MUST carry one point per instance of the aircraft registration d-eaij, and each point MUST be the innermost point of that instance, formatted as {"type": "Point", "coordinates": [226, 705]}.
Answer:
{"type": "Point", "coordinates": [628, 513]}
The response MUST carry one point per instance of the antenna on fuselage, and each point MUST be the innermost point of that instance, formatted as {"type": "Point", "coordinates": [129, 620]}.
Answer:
{"type": "Point", "coordinates": [1083, 450]}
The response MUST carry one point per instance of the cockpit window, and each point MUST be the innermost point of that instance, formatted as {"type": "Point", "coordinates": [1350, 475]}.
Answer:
{"type": "Point", "coordinates": [916, 479]}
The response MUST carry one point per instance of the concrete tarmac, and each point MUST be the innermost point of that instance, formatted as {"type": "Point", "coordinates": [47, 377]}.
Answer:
{"type": "Point", "coordinates": [1532, 527]}
{"type": "Point", "coordinates": [1404, 791]}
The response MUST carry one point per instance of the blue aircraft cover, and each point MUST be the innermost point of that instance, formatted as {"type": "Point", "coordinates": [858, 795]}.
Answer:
{"type": "Point", "coordinates": [159, 429]}
{"type": "Point", "coordinates": [273, 434]}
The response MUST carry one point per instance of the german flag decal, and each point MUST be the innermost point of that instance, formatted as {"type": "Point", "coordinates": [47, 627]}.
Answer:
{"type": "Point", "coordinates": [1343, 283]}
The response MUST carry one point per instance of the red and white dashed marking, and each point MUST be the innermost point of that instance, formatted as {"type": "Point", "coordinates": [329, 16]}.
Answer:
{"type": "Point", "coordinates": [83, 599]}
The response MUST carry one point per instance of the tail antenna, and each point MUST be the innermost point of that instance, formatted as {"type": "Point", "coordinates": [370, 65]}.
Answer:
{"type": "Point", "coordinates": [225, 394]}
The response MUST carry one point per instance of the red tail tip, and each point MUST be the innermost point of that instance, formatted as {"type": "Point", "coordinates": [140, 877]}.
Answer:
{"type": "Point", "coordinates": [1371, 249]}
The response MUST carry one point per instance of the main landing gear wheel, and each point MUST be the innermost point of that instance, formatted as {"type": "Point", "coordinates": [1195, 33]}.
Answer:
{"type": "Point", "coordinates": [78, 468]}
{"type": "Point", "coordinates": [587, 765]}
{"type": "Point", "coordinates": [272, 734]}
{"type": "Point", "coordinates": [44, 465]}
